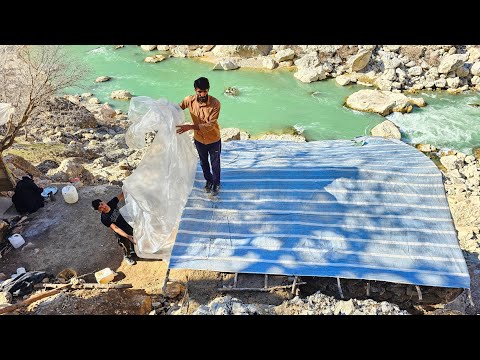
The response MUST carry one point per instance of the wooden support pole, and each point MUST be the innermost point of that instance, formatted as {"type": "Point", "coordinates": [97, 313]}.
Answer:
{"type": "Point", "coordinates": [294, 285]}
{"type": "Point", "coordinates": [164, 288]}
{"type": "Point", "coordinates": [470, 297]}
{"type": "Point", "coordinates": [88, 286]}
{"type": "Point", "coordinates": [419, 292]}
{"type": "Point", "coordinates": [368, 288]}
{"type": "Point", "coordinates": [235, 279]}
{"type": "Point", "coordinates": [260, 289]}
{"type": "Point", "coordinates": [32, 299]}
{"type": "Point", "coordinates": [266, 281]}
{"type": "Point", "coordinates": [340, 288]}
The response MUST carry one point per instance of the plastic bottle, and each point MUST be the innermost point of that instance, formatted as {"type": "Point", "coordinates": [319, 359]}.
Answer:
{"type": "Point", "coordinates": [16, 240]}
{"type": "Point", "coordinates": [70, 194]}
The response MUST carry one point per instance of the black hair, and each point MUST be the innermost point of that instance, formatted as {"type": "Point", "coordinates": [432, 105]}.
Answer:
{"type": "Point", "coordinates": [201, 83]}
{"type": "Point", "coordinates": [96, 203]}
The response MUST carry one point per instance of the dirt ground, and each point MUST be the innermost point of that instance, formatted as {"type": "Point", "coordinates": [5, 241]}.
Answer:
{"type": "Point", "coordinates": [62, 235]}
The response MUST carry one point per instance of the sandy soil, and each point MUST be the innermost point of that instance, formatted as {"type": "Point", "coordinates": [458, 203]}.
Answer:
{"type": "Point", "coordinates": [62, 235]}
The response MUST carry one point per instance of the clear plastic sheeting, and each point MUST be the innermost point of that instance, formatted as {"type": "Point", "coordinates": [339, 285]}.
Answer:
{"type": "Point", "coordinates": [157, 190]}
{"type": "Point", "coordinates": [5, 111]}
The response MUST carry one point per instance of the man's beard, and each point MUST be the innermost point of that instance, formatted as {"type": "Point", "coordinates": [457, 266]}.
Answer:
{"type": "Point", "coordinates": [202, 99]}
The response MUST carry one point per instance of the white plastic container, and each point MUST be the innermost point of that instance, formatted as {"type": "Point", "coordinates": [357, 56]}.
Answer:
{"type": "Point", "coordinates": [16, 240]}
{"type": "Point", "coordinates": [70, 194]}
{"type": "Point", "coordinates": [105, 276]}
{"type": "Point", "coordinates": [21, 270]}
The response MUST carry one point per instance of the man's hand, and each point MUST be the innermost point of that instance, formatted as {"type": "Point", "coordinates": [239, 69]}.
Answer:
{"type": "Point", "coordinates": [130, 237]}
{"type": "Point", "coordinates": [182, 128]}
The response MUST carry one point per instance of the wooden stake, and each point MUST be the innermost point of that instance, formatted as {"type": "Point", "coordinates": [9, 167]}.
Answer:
{"type": "Point", "coordinates": [266, 281]}
{"type": "Point", "coordinates": [339, 288]}
{"type": "Point", "coordinates": [470, 298]}
{"type": "Point", "coordinates": [89, 286]}
{"type": "Point", "coordinates": [294, 285]}
{"type": "Point", "coordinates": [419, 292]}
{"type": "Point", "coordinates": [235, 279]}
{"type": "Point", "coordinates": [368, 288]}
{"type": "Point", "coordinates": [164, 288]}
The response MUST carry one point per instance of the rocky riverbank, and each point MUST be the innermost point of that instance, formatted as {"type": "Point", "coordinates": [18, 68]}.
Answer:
{"type": "Point", "coordinates": [396, 68]}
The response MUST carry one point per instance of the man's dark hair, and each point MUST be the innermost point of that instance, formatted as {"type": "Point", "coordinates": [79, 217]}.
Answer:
{"type": "Point", "coordinates": [201, 83]}
{"type": "Point", "coordinates": [96, 203]}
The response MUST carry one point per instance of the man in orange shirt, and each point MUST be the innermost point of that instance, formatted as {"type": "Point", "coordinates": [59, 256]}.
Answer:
{"type": "Point", "coordinates": [204, 110]}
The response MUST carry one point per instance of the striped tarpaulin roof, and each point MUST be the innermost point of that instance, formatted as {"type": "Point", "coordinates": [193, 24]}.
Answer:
{"type": "Point", "coordinates": [334, 208]}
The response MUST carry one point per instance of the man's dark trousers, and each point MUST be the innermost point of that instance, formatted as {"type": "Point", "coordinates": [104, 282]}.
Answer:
{"type": "Point", "coordinates": [214, 150]}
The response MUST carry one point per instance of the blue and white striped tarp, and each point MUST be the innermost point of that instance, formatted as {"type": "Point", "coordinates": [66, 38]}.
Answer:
{"type": "Point", "coordinates": [334, 208]}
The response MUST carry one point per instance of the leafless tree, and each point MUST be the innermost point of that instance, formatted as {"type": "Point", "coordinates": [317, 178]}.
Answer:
{"type": "Point", "coordinates": [29, 77]}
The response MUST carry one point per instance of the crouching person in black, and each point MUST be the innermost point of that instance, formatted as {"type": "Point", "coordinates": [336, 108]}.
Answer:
{"type": "Point", "coordinates": [28, 196]}
{"type": "Point", "coordinates": [112, 218]}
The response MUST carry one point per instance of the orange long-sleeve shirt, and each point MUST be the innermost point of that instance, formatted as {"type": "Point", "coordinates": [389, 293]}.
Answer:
{"type": "Point", "coordinates": [205, 115]}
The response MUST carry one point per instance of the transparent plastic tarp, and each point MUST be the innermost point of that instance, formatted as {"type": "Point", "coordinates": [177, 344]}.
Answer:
{"type": "Point", "coordinates": [157, 190]}
{"type": "Point", "coordinates": [5, 111]}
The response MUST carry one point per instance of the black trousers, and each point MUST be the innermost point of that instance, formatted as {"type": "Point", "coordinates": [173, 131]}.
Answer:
{"type": "Point", "coordinates": [126, 245]}
{"type": "Point", "coordinates": [214, 150]}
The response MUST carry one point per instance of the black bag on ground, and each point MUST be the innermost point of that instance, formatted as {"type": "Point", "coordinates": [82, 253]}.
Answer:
{"type": "Point", "coordinates": [28, 196]}
{"type": "Point", "coordinates": [23, 283]}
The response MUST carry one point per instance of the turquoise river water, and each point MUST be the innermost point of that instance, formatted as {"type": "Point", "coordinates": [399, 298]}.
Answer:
{"type": "Point", "coordinates": [271, 101]}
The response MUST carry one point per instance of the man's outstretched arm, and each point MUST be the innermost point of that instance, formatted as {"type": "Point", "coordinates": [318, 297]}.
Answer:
{"type": "Point", "coordinates": [122, 233]}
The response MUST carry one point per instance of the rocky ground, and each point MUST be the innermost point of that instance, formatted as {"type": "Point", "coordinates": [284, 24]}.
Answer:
{"type": "Point", "coordinates": [82, 141]}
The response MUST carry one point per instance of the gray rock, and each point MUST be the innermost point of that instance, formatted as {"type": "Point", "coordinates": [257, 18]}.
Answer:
{"type": "Point", "coordinates": [241, 50]}
{"type": "Point", "coordinates": [148, 47]}
{"type": "Point", "coordinates": [415, 71]}
{"type": "Point", "coordinates": [360, 60]}
{"type": "Point", "coordinates": [451, 162]}
{"type": "Point", "coordinates": [121, 95]}
{"type": "Point", "coordinates": [381, 102]}
{"type": "Point", "coordinates": [451, 63]}
{"type": "Point", "coordinates": [475, 69]}
{"type": "Point", "coordinates": [283, 55]}
{"type": "Point", "coordinates": [227, 64]}
{"type": "Point", "coordinates": [269, 63]}
{"type": "Point", "coordinates": [102, 79]}
{"type": "Point", "coordinates": [309, 60]}
{"type": "Point", "coordinates": [310, 74]}
{"type": "Point", "coordinates": [386, 129]}
{"type": "Point", "coordinates": [229, 134]}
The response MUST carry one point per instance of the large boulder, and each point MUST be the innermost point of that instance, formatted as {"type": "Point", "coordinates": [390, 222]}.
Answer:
{"type": "Point", "coordinates": [284, 55]}
{"type": "Point", "coordinates": [227, 64]}
{"type": "Point", "coordinates": [148, 47]}
{"type": "Point", "coordinates": [309, 60]}
{"type": "Point", "coordinates": [107, 112]}
{"type": "Point", "coordinates": [241, 50]}
{"type": "Point", "coordinates": [269, 63]}
{"type": "Point", "coordinates": [381, 102]}
{"type": "Point", "coordinates": [20, 167]}
{"type": "Point", "coordinates": [475, 69]}
{"type": "Point", "coordinates": [451, 63]}
{"type": "Point", "coordinates": [102, 79]}
{"type": "Point", "coordinates": [358, 61]}
{"type": "Point", "coordinates": [387, 129]}
{"type": "Point", "coordinates": [310, 75]}
{"type": "Point", "coordinates": [229, 134]}
{"type": "Point", "coordinates": [474, 53]}
{"type": "Point", "coordinates": [121, 95]}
